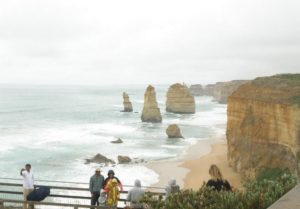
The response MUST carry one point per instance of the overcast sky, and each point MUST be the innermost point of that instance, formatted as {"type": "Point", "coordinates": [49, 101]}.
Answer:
{"type": "Point", "coordinates": [140, 42]}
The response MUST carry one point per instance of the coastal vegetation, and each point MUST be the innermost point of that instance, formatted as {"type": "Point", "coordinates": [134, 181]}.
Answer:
{"type": "Point", "coordinates": [259, 193]}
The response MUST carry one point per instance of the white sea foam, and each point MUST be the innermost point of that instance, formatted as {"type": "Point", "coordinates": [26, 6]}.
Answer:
{"type": "Point", "coordinates": [63, 139]}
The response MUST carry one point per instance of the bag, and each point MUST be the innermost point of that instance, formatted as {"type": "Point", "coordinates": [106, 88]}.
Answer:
{"type": "Point", "coordinates": [102, 199]}
{"type": "Point", "coordinates": [39, 193]}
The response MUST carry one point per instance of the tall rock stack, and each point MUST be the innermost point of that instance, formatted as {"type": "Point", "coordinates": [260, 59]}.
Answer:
{"type": "Point", "coordinates": [263, 128]}
{"type": "Point", "coordinates": [126, 102]}
{"type": "Point", "coordinates": [179, 99]}
{"type": "Point", "coordinates": [151, 112]}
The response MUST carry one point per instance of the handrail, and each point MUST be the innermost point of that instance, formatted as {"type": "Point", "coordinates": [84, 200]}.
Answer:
{"type": "Point", "coordinates": [51, 204]}
{"type": "Point", "coordinates": [67, 188]}
{"type": "Point", "coordinates": [72, 182]}
{"type": "Point", "coordinates": [57, 195]}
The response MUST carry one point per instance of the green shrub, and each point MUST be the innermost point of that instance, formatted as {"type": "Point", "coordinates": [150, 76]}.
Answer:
{"type": "Point", "coordinates": [257, 194]}
{"type": "Point", "coordinates": [271, 174]}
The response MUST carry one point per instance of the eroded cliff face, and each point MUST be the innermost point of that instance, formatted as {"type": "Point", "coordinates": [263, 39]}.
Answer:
{"type": "Point", "coordinates": [263, 128]}
{"type": "Point", "coordinates": [151, 112]}
{"type": "Point", "coordinates": [220, 91]}
{"type": "Point", "coordinates": [179, 100]}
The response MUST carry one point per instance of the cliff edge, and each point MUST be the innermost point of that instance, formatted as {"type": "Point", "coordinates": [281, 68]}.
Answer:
{"type": "Point", "coordinates": [263, 128]}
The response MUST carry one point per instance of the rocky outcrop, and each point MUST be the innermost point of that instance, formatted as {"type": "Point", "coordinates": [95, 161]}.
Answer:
{"type": "Point", "coordinates": [151, 112]}
{"type": "Point", "coordinates": [263, 129]}
{"type": "Point", "coordinates": [124, 159]}
{"type": "Point", "coordinates": [118, 141]}
{"type": "Point", "coordinates": [220, 91]}
{"type": "Point", "coordinates": [126, 102]}
{"type": "Point", "coordinates": [173, 131]}
{"type": "Point", "coordinates": [179, 100]}
{"type": "Point", "coordinates": [99, 159]}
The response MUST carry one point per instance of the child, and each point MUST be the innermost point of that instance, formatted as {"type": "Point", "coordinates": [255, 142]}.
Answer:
{"type": "Point", "coordinates": [102, 199]}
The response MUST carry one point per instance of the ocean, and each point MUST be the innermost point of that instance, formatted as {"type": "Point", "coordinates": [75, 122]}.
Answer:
{"type": "Point", "coordinates": [55, 128]}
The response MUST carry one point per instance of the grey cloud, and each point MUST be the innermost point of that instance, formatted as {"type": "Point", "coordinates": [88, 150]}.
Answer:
{"type": "Point", "coordinates": [108, 42]}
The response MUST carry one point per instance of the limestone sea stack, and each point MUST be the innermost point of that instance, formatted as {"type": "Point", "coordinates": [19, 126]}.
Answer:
{"type": "Point", "coordinates": [126, 102]}
{"type": "Point", "coordinates": [151, 112]}
{"type": "Point", "coordinates": [173, 131]}
{"type": "Point", "coordinates": [263, 128]}
{"type": "Point", "coordinates": [179, 100]}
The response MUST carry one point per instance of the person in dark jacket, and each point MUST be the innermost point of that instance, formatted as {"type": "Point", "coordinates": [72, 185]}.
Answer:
{"type": "Point", "coordinates": [110, 176]}
{"type": "Point", "coordinates": [172, 187]}
{"type": "Point", "coordinates": [217, 182]}
{"type": "Point", "coordinates": [96, 184]}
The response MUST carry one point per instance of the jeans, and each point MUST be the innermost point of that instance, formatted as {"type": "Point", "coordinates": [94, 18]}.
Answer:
{"type": "Point", "coordinates": [94, 199]}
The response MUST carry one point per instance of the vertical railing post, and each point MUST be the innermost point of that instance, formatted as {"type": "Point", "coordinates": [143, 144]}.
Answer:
{"type": "Point", "coordinates": [1, 204]}
{"type": "Point", "coordinates": [31, 205]}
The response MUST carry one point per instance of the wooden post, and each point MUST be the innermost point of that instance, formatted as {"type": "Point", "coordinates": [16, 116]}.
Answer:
{"type": "Point", "coordinates": [1, 204]}
{"type": "Point", "coordinates": [31, 205]}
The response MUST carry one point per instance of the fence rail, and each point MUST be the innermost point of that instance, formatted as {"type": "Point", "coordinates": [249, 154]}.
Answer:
{"type": "Point", "coordinates": [11, 193]}
{"type": "Point", "coordinates": [33, 203]}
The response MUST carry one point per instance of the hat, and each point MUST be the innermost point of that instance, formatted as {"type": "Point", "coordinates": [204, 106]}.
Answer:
{"type": "Point", "coordinates": [98, 170]}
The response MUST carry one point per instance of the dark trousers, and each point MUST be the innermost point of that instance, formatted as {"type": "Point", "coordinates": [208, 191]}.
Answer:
{"type": "Point", "coordinates": [94, 199]}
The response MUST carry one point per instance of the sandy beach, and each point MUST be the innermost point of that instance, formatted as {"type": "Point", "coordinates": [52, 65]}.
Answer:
{"type": "Point", "coordinates": [192, 170]}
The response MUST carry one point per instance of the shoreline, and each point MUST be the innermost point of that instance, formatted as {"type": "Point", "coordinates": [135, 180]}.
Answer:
{"type": "Point", "coordinates": [191, 169]}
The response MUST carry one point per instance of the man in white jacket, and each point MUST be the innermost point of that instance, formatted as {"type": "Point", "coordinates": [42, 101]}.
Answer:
{"type": "Point", "coordinates": [28, 182]}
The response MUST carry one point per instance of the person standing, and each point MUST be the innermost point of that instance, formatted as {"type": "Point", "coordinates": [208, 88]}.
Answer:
{"type": "Point", "coordinates": [111, 176]}
{"type": "Point", "coordinates": [28, 182]}
{"type": "Point", "coordinates": [96, 184]}
{"type": "Point", "coordinates": [172, 187]}
{"type": "Point", "coordinates": [135, 195]}
{"type": "Point", "coordinates": [217, 182]}
{"type": "Point", "coordinates": [113, 193]}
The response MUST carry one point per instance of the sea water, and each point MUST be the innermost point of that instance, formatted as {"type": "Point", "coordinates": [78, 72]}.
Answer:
{"type": "Point", "coordinates": [55, 128]}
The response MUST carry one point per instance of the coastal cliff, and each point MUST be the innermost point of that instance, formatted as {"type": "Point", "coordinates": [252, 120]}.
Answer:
{"type": "Point", "coordinates": [126, 102]}
{"type": "Point", "coordinates": [151, 112]}
{"type": "Point", "coordinates": [179, 99]}
{"type": "Point", "coordinates": [263, 128]}
{"type": "Point", "coordinates": [220, 90]}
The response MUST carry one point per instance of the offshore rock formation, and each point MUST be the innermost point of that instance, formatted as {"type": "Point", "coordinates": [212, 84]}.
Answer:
{"type": "Point", "coordinates": [263, 129]}
{"type": "Point", "coordinates": [179, 99]}
{"type": "Point", "coordinates": [99, 159]}
{"type": "Point", "coordinates": [124, 159]}
{"type": "Point", "coordinates": [126, 102]}
{"type": "Point", "coordinates": [197, 90]}
{"type": "Point", "coordinates": [151, 112]}
{"type": "Point", "coordinates": [118, 141]}
{"type": "Point", "coordinates": [220, 91]}
{"type": "Point", "coordinates": [173, 131]}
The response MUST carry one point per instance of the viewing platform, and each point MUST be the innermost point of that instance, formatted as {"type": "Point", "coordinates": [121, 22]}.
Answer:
{"type": "Point", "coordinates": [63, 195]}
{"type": "Point", "coordinates": [290, 200]}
